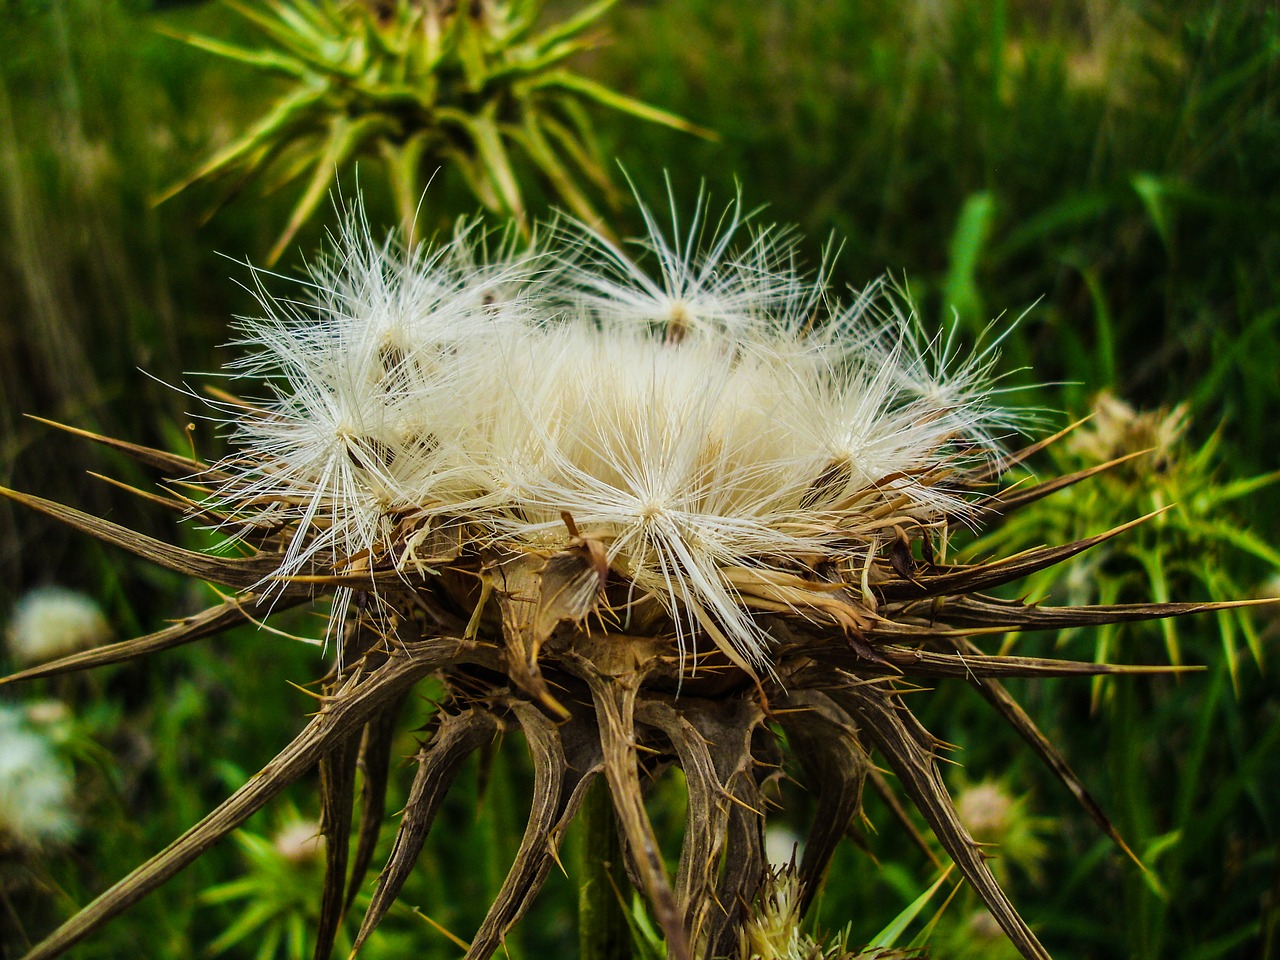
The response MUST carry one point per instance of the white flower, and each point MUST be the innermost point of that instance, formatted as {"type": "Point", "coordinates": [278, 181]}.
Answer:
{"type": "Point", "coordinates": [727, 418]}
{"type": "Point", "coordinates": [987, 810]}
{"type": "Point", "coordinates": [35, 786]}
{"type": "Point", "coordinates": [51, 622]}
{"type": "Point", "coordinates": [782, 846]}
{"type": "Point", "coordinates": [299, 842]}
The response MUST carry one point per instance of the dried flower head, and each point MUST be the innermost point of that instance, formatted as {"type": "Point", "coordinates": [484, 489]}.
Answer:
{"type": "Point", "coordinates": [648, 510]}
{"type": "Point", "coordinates": [1117, 429]}
{"type": "Point", "coordinates": [771, 931]}
{"type": "Point", "coordinates": [1001, 820]}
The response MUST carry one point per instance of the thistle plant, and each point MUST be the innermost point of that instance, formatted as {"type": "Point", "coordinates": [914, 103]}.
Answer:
{"type": "Point", "coordinates": [1015, 841]}
{"type": "Point", "coordinates": [274, 892]}
{"type": "Point", "coordinates": [1190, 545]}
{"type": "Point", "coordinates": [672, 503]}
{"type": "Point", "coordinates": [771, 928]}
{"type": "Point", "coordinates": [421, 84]}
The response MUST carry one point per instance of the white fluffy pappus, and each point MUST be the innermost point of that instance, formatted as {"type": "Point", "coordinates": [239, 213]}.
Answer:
{"type": "Point", "coordinates": [724, 414]}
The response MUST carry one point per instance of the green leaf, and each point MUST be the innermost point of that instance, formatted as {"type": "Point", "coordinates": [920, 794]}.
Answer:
{"type": "Point", "coordinates": [254, 917]}
{"type": "Point", "coordinates": [1259, 335]}
{"type": "Point", "coordinates": [439, 43]}
{"type": "Point", "coordinates": [327, 49]}
{"type": "Point", "coordinates": [473, 172]}
{"type": "Point", "coordinates": [544, 158]}
{"type": "Point", "coordinates": [1227, 628]}
{"type": "Point", "coordinates": [233, 181]}
{"type": "Point", "coordinates": [492, 157]}
{"type": "Point", "coordinates": [1153, 194]}
{"type": "Point", "coordinates": [312, 21]}
{"type": "Point", "coordinates": [234, 890]}
{"type": "Point", "coordinates": [1152, 562]}
{"type": "Point", "coordinates": [574, 25]}
{"type": "Point", "coordinates": [1104, 325]}
{"type": "Point", "coordinates": [1238, 538]}
{"type": "Point", "coordinates": [888, 937]}
{"type": "Point", "coordinates": [581, 148]}
{"type": "Point", "coordinates": [308, 19]}
{"type": "Point", "coordinates": [1227, 492]}
{"type": "Point", "coordinates": [522, 17]}
{"type": "Point", "coordinates": [968, 242]}
{"type": "Point", "coordinates": [297, 949]}
{"type": "Point", "coordinates": [299, 159]}
{"type": "Point", "coordinates": [470, 52]}
{"type": "Point", "coordinates": [289, 112]}
{"type": "Point", "coordinates": [273, 27]}
{"type": "Point", "coordinates": [270, 942]}
{"type": "Point", "coordinates": [393, 97]}
{"type": "Point", "coordinates": [644, 935]}
{"type": "Point", "coordinates": [262, 59]}
{"type": "Point", "coordinates": [1154, 849]}
{"type": "Point", "coordinates": [344, 137]}
{"type": "Point", "coordinates": [602, 95]}
{"type": "Point", "coordinates": [524, 67]}
{"type": "Point", "coordinates": [1073, 211]}
{"type": "Point", "coordinates": [404, 169]}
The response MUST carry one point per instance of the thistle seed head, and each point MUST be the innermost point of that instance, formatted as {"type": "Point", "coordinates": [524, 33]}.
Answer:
{"type": "Point", "coordinates": [648, 505]}
{"type": "Point", "coordinates": [756, 428]}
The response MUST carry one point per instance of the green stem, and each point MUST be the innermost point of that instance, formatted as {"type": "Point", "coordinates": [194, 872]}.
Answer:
{"type": "Point", "coordinates": [603, 933]}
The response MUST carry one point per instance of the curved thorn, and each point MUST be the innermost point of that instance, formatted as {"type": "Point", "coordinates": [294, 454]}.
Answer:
{"type": "Point", "coordinates": [1006, 501]}
{"type": "Point", "coordinates": [1006, 463]}
{"type": "Point", "coordinates": [1016, 615]}
{"type": "Point", "coordinates": [928, 663]}
{"type": "Point", "coordinates": [374, 763]}
{"type": "Point", "coordinates": [707, 818]}
{"type": "Point", "coordinates": [825, 740]}
{"type": "Point", "coordinates": [147, 456]}
{"type": "Point", "coordinates": [984, 576]}
{"type": "Point", "coordinates": [337, 795]}
{"type": "Point", "coordinates": [533, 860]}
{"type": "Point", "coordinates": [1009, 708]}
{"type": "Point", "coordinates": [343, 713]}
{"type": "Point", "coordinates": [744, 867]}
{"type": "Point", "coordinates": [240, 573]}
{"type": "Point", "coordinates": [229, 613]}
{"type": "Point", "coordinates": [457, 737]}
{"type": "Point", "coordinates": [615, 698]}
{"type": "Point", "coordinates": [909, 749]}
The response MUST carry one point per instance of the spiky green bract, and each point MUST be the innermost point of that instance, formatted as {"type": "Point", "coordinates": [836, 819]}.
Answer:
{"type": "Point", "coordinates": [420, 84]}
{"type": "Point", "coordinates": [1197, 544]}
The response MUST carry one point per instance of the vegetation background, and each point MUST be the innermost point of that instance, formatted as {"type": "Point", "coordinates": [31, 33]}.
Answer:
{"type": "Point", "coordinates": [1113, 165]}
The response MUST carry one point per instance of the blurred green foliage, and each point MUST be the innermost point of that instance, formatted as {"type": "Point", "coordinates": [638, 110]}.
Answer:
{"type": "Point", "coordinates": [1114, 163]}
{"type": "Point", "coordinates": [474, 85]}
